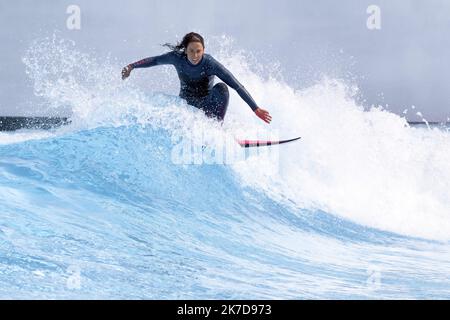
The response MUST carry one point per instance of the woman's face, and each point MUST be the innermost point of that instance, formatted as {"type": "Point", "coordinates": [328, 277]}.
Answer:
{"type": "Point", "coordinates": [195, 52]}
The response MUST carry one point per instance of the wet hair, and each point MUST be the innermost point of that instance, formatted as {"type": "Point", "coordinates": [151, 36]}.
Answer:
{"type": "Point", "coordinates": [188, 38]}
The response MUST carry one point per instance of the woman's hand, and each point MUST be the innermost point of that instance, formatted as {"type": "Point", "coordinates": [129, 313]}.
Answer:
{"type": "Point", "coordinates": [126, 72]}
{"type": "Point", "coordinates": [263, 115]}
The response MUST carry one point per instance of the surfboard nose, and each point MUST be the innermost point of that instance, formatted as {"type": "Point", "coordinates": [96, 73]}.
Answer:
{"type": "Point", "coordinates": [262, 143]}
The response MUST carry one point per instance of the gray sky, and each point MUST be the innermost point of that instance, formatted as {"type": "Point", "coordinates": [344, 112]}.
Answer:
{"type": "Point", "coordinates": [404, 63]}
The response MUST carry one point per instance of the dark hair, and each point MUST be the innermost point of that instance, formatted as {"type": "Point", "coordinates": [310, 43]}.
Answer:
{"type": "Point", "coordinates": [188, 38]}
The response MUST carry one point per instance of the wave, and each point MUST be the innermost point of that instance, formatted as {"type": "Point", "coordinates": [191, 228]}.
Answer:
{"type": "Point", "coordinates": [361, 191]}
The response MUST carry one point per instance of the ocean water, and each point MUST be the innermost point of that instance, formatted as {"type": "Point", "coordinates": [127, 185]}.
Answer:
{"type": "Point", "coordinates": [359, 208]}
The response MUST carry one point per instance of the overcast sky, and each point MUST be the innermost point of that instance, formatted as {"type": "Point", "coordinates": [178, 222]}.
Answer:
{"type": "Point", "coordinates": [402, 64]}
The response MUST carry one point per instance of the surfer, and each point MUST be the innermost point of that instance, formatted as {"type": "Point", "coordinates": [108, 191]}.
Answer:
{"type": "Point", "coordinates": [196, 70]}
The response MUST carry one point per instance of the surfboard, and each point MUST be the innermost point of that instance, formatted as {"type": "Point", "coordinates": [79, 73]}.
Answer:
{"type": "Point", "coordinates": [263, 143]}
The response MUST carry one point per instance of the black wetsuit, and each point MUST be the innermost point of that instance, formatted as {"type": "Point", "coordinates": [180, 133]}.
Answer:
{"type": "Point", "coordinates": [196, 82]}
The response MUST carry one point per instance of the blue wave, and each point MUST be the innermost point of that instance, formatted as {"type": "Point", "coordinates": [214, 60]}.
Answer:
{"type": "Point", "coordinates": [104, 213]}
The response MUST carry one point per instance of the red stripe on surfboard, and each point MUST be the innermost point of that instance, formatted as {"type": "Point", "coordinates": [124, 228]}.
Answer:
{"type": "Point", "coordinates": [258, 143]}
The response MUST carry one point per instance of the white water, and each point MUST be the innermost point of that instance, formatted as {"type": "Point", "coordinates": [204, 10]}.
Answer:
{"type": "Point", "coordinates": [369, 167]}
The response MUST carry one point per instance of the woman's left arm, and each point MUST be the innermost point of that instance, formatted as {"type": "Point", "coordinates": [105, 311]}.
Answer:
{"type": "Point", "coordinates": [226, 76]}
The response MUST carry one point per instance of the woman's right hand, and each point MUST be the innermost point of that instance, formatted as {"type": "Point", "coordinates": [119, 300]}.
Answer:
{"type": "Point", "coordinates": [126, 71]}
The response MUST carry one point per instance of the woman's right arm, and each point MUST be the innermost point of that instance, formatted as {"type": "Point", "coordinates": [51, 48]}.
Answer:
{"type": "Point", "coordinates": [166, 58]}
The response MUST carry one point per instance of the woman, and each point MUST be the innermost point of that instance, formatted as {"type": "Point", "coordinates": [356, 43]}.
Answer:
{"type": "Point", "coordinates": [196, 71]}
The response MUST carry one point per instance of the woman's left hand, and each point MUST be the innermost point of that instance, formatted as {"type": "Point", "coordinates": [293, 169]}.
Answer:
{"type": "Point", "coordinates": [263, 115]}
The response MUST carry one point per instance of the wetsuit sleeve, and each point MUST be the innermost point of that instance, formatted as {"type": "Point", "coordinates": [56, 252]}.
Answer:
{"type": "Point", "coordinates": [226, 76]}
{"type": "Point", "coordinates": [166, 58]}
